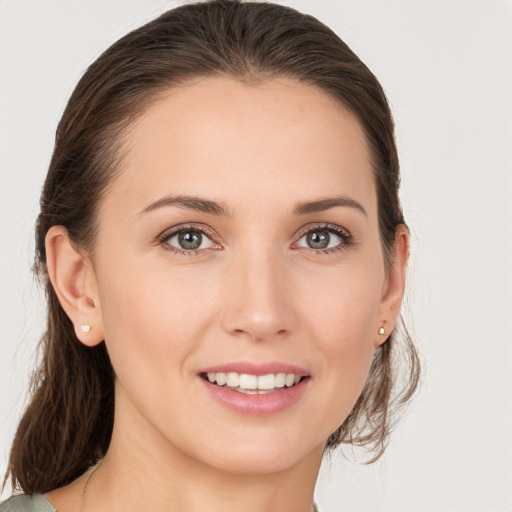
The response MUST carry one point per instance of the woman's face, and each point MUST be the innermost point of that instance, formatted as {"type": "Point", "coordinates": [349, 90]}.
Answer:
{"type": "Point", "coordinates": [240, 243]}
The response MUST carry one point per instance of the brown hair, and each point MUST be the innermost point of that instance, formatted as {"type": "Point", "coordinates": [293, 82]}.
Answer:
{"type": "Point", "coordinates": [68, 424]}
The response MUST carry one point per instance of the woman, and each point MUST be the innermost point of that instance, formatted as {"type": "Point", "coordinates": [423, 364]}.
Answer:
{"type": "Point", "coordinates": [224, 253]}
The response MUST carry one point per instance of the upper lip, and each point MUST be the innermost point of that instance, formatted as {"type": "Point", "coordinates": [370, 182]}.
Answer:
{"type": "Point", "coordinates": [251, 368]}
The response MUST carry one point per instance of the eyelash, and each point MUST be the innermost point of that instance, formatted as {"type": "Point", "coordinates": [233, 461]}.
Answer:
{"type": "Point", "coordinates": [346, 237]}
{"type": "Point", "coordinates": [347, 240]}
{"type": "Point", "coordinates": [169, 233]}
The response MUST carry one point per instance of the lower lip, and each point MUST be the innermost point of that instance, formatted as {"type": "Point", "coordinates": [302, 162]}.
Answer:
{"type": "Point", "coordinates": [268, 403]}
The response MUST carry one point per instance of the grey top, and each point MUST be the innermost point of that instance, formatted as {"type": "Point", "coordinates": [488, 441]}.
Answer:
{"type": "Point", "coordinates": [35, 503]}
{"type": "Point", "coordinates": [25, 503]}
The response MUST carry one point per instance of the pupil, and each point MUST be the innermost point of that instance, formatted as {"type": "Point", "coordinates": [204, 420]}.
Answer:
{"type": "Point", "coordinates": [190, 240]}
{"type": "Point", "coordinates": [318, 239]}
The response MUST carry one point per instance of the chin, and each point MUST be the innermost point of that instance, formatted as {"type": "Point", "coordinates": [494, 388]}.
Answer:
{"type": "Point", "coordinates": [261, 455]}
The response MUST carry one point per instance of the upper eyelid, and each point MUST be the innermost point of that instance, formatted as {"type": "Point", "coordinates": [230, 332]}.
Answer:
{"type": "Point", "coordinates": [186, 226]}
{"type": "Point", "coordinates": [322, 225]}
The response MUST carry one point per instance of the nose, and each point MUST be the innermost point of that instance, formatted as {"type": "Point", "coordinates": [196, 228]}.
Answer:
{"type": "Point", "coordinates": [258, 298]}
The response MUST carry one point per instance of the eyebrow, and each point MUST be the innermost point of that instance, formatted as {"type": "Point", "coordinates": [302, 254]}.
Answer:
{"type": "Point", "coordinates": [214, 208]}
{"type": "Point", "coordinates": [190, 203]}
{"type": "Point", "coordinates": [322, 205]}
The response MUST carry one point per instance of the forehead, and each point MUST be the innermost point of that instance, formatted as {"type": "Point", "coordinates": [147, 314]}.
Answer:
{"type": "Point", "coordinates": [279, 139]}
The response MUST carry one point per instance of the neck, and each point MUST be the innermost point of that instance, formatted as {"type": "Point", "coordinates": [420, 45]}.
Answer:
{"type": "Point", "coordinates": [146, 472]}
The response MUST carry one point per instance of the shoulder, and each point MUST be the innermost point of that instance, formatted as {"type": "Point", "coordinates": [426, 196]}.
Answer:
{"type": "Point", "coordinates": [26, 503]}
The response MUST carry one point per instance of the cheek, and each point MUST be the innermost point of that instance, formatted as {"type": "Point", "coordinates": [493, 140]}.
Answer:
{"type": "Point", "coordinates": [342, 315]}
{"type": "Point", "coordinates": [343, 305]}
{"type": "Point", "coordinates": [152, 320]}
{"type": "Point", "coordinates": [346, 336]}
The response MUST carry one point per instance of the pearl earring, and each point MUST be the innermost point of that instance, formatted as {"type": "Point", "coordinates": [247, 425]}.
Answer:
{"type": "Point", "coordinates": [382, 331]}
{"type": "Point", "coordinates": [86, 328]}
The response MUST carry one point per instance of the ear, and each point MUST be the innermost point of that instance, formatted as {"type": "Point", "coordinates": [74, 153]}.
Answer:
{"type": "Point", "coordinates": [394, 286]}
{"type": "Point", "coordinates": [74, 281]}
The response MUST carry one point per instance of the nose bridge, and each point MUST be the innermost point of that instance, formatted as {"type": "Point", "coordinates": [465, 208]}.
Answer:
{"type": "Point", "coordinates": [257, 299]}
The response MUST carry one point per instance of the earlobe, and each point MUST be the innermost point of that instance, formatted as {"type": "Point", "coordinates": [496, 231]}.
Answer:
{"type": "Point", "coordinates": [394, 288]}
{"type": "Point", "coordinates": [74, 281]}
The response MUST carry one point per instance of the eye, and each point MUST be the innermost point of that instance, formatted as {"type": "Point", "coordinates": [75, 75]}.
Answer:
{"type": "Point", "coordinates": [326, 238]}
{"type": "Point", "coordinates": [319, 239]}
{"type": "Point", "coordinates": [187, 240]}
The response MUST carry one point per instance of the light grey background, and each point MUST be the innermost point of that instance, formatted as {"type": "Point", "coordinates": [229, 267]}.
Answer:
{"type": "Point", "coordinates": [447, 69]}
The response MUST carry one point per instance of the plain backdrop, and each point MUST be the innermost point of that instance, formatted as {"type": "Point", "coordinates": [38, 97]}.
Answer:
{"type": "Point", "coordinates": [447, 69]}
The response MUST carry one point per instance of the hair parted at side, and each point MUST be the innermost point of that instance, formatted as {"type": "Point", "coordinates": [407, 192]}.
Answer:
{"type": "Point", "coordinates": [68, 423]}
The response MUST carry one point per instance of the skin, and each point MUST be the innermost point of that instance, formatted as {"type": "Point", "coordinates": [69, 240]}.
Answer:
{"type": "Point", "coordinates": [255, 291]}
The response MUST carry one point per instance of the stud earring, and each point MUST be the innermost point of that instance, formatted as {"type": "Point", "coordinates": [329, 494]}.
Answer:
{"type": "Point", "coordinates": [86, 327]}
{"type": "Point", "coordinates": [382, 331]}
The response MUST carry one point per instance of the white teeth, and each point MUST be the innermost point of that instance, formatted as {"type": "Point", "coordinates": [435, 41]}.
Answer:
{"type": "Point", "coordinates": [221, 379]}
{"type": "Point", "coordinates": [253, 384]}
{"type": "Point", "coordinates": [266, 381]}
{"type": "Point", "coordinates": [281, 380]}
{"type": "Point", "coordinates": [233, 380]}
{"type": "Point", "coordinates": [248, 381]}
{"type": "Point", "coordinates": [289, 379]}
{"type": "Point", "coordinates": [254, 391]}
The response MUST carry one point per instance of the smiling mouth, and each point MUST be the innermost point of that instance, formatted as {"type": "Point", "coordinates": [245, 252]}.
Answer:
{"type": "Point", "coordinates": [253, 384]}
